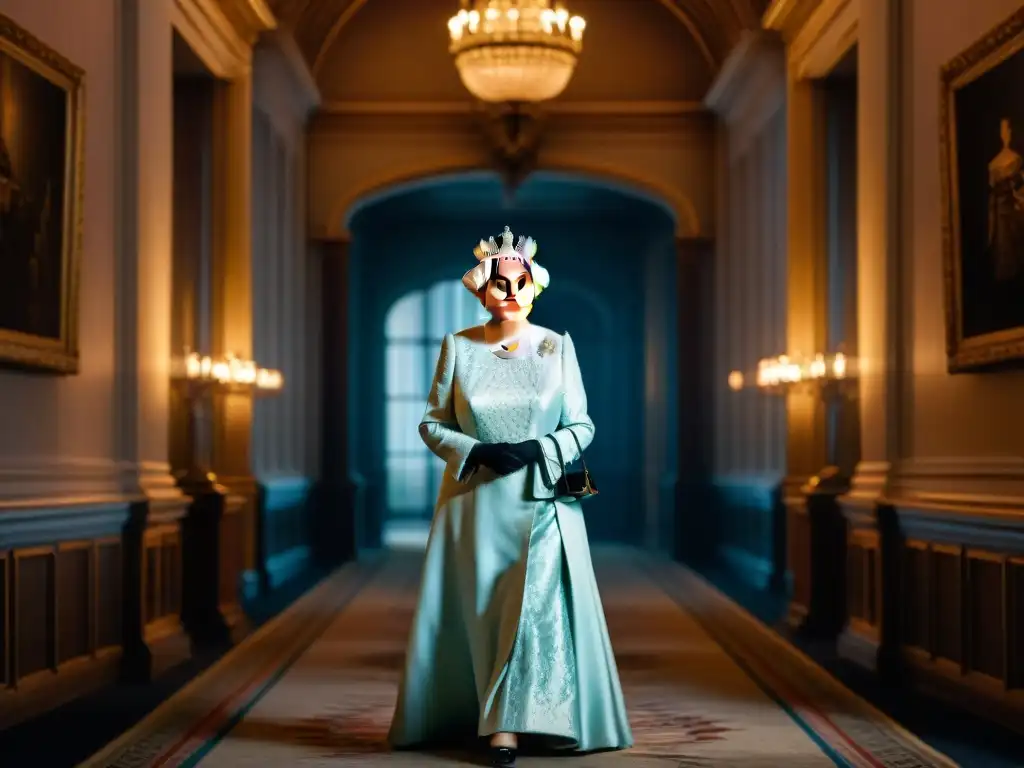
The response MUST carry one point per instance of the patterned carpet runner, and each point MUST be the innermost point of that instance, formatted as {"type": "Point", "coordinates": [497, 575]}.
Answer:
{"type": "Point", "coordinates": [706, 685]}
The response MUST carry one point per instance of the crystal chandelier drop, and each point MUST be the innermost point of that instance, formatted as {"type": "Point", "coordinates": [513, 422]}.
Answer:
{"type": "Point", "coordinates": [515, 50]}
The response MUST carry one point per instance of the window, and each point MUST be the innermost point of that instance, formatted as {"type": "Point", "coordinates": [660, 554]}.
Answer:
{"type": "Point", "coordinates": [415, 326]}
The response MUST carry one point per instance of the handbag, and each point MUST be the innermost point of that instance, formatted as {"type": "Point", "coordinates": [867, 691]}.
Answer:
{"type": "Point", "coordinates": [576, 485]}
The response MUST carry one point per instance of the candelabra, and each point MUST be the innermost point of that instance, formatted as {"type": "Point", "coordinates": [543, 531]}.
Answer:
{"type": "Point", "coordinates": [202, 373]}
{"type": "Point", "coordinates": [823, 374]}
{"type": "Point", "coordinates": [199, 376]}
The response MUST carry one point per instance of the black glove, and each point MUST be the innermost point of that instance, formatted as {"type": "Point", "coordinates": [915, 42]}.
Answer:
{"type": "Point", "coordinates": [526, 452]}
{"type": "Point", "coordinates": [495, 456]}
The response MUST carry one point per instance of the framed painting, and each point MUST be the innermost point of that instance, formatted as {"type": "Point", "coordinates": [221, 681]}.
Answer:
{"type": "Point", "coordinates": [982, 156]}
{"type": "Point", "coordinates": [41, 133]}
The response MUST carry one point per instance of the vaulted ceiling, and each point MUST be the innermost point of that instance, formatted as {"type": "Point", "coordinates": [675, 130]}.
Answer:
{"type": "Point", "coordinates": [714, 25]}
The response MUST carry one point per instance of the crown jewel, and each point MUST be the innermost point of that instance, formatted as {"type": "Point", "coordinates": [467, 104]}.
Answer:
{"type": "Point", "coordinates": [523, 251]}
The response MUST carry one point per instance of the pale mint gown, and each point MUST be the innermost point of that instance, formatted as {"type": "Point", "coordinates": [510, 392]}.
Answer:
{"type": "Point", "coordinates": [509, 634]}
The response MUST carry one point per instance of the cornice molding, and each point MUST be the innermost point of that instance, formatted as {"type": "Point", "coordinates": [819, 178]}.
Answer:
{"type": "Point", "coordinates": [755, 67]}
{"type": "Point", "coordinates": [222, 32]}
{"type": "Point", "coordinates": [787, 16]}
{"type": "Point", "coordinates": [818, 33]}
{"type": "Point", "coordinates": [308, 92]}
{"type": "Point", "coordinates": [825, 38]}
{"type": "Point", "coordinates": [448, 108]}
{"type": "Point", "coordinates": [254, 17]}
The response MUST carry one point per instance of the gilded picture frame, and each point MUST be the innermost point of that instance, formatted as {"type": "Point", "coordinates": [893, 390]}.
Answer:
{"type": "Point", "coordinates": [981, 137]}
{"type": "Point", "coordinates": [41, 200]}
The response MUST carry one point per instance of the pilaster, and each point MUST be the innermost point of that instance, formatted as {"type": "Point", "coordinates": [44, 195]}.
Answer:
{"type": "Point", "coordinates": [878, 322]}
{"type": "Point", "coordinates": [807, 282]}
{"type": "Point", "coordinates": [144, 179]}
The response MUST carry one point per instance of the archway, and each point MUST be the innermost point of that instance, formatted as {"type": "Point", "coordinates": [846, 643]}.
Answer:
{"type": "Point", "coordinates": [409, 247]}
{"type": "Point", "coordinates": [414, 327]}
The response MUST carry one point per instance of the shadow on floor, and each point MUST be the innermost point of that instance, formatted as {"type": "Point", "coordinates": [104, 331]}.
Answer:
{"type": "Point", "coordinates": [969, 740]}
{"type": "Point", "coordinates": [64, 737]}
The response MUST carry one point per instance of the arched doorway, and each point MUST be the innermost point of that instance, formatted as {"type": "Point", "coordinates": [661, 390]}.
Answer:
{"type": "Point", "coordinates": [407, 253]}
{"type": "Point", "coordinates": [413, 329]}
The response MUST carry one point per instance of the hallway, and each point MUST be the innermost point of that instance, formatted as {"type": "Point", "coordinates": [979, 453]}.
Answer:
{"type": "Point", "coordinates": [706, 684]}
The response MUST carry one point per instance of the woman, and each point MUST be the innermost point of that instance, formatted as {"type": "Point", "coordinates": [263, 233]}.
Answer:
{"type": "Point", "coordinates": [1006, 209]}
{"type": "Point", "coordinates": [509, 636]}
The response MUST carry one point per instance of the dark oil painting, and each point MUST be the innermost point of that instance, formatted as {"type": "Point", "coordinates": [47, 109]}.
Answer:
{"type": "Point", "coordinates": [40, 146]}
{"type": "Point", "coordinates": [984, 152]}
{"type": "Point", "coordinates": [32, 160]}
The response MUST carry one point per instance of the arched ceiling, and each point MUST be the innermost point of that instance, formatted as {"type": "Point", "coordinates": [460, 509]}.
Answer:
{"type": "Point", "coordinates": [714, 25]}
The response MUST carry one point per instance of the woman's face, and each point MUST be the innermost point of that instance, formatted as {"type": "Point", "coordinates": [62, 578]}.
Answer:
{"type": "Point", "coordinates": [509, 294]}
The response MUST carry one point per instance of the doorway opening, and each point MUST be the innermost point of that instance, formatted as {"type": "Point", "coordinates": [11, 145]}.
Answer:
{"type": "Point", "coordinates": [409, 249]}
{"type": "Point", "coordinates": [414, 327]}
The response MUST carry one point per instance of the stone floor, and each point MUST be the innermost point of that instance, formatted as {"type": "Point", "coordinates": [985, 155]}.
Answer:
{"type": "Point", "coordinates": [706, 685]}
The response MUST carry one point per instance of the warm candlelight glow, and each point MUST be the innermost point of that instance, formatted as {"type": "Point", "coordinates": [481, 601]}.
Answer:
{"type": "Point", "coordinates": [778, 374]}
{"type": "Point", "coordinates": [230, 371]}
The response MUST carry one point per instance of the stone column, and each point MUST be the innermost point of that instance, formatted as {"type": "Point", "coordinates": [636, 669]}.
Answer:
{"type": "Point", "coordinates": [152, 629]}
{"type": "Point", "coordinates": [868, 636]}
{"type": "Point", "coordinates": [233, 333]}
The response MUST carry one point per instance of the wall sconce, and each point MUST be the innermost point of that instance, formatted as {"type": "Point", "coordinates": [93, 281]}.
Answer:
{"type": "Point", "coordinates": [200, 373]}
{"type": "Point", "coordinates": [823, 373]}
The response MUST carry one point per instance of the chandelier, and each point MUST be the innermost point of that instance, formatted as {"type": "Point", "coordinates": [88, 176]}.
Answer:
{"type": "Point", "coordinates": [515, 51]}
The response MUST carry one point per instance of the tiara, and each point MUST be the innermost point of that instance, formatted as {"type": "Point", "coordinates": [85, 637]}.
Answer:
{"type": "Point", "coordinates": [524, 250]}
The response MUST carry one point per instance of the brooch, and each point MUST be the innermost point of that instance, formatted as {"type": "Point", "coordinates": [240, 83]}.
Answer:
{"type": "Point", "coordinates": [546, 347]}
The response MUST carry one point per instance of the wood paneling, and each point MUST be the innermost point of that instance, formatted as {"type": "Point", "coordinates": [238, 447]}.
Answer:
{"type": "Point", "coordinates": [5, 621]}
{"type": "Point", "coordinates": [798, 552]}
{"type": "Point", "coordinates": [233, 526]}
{"type": "Point", "coordinates": [962, 621]}
{"type": "Point", "coordinates": [863, 560]}
{"type": "Point", "coordinates": [109, 595]}
{"type": "Point", "coordinates": [161, 579]}
{"type": "Point", "coordinates": [1015, 621]}
{"type": "Point", "coordinates": [75, 607]}
{"type": "Point", "coordinates": [58, 604]}
{"type": "Point", "coordinates": [35, 600]}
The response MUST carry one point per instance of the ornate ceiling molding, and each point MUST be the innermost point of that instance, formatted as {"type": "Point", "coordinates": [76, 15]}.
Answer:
{"type": "Point", "coordinates": [344, 18]}
{"type": "Point", "coordinates": [223, 32]}
{"type": "Point", "coordinates": [818, 33]}
{"type": "Point", "coordinates": [714, 25]}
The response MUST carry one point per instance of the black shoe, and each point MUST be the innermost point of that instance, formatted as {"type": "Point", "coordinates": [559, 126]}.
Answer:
{"type": "Point", "coordinates": [503, 757]}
